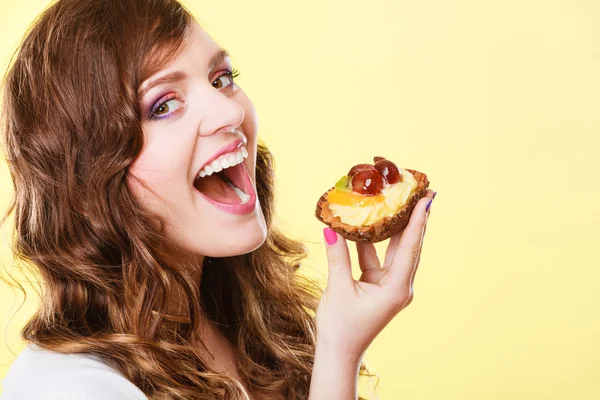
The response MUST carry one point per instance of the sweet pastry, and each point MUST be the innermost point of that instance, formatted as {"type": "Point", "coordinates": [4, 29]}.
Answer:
{"type": "Point", "coordinates": [372, 202]}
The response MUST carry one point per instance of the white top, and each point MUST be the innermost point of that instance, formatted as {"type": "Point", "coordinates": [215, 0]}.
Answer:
{"type": "Point", "coordinates": [41, 374]}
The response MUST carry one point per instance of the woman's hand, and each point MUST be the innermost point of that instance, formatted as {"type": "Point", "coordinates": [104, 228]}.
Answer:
{"type": "Point", "coordinates": [352, 313]}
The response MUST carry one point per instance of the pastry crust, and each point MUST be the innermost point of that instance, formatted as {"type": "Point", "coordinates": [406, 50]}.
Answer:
{"type": "Point", "coordinates": [381, 230]}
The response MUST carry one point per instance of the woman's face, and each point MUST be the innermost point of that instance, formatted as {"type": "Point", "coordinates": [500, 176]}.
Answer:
{"type": "Point", "coordinates": [197, 167]}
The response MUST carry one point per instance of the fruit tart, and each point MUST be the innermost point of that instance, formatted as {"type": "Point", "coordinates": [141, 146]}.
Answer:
{"type": "Point", "coordinates": [372, 202]}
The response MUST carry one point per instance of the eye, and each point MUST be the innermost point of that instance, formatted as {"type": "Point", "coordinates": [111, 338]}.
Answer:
{"type": "Point", "coordinates": [167, 107]}
{"type": "Point", "coordinates": [226, 79]}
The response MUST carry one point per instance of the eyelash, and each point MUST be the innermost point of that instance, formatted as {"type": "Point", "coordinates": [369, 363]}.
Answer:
{"type": "Point", "coordinates": [233, 74]}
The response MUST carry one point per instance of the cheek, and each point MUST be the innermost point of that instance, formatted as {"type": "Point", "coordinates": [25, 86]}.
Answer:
{"type": "Point", "coordinates": [250, 123]}
{"type": "Point", "coordinates": [162, 169]}
{"type": "Point", "coordinates": [154, 168]}
{"type": "Point", "coordinates": [251, 117]}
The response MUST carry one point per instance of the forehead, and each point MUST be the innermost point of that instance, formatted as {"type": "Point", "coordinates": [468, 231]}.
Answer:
{"type": "Point", "coordinates": [197, 49]}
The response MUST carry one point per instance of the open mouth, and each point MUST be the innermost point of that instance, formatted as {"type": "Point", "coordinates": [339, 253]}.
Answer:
{"type": "Point", "coordinates": [226, 183]}
{"type": "Point", "coordinates": [226, 186]}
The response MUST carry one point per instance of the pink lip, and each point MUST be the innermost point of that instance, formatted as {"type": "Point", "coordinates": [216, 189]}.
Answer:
{"type": "Point", "coordinates": [231, 147]}
{"type": "Point", "coordinates": [238, 209]}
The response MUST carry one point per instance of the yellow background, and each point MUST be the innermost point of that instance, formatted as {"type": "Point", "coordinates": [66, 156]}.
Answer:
{"type": "Point", "coordinates": [499, 102]}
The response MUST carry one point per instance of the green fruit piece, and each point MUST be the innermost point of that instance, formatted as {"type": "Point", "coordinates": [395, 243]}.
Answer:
{"type": "Point", "coordinates": [343, 184]}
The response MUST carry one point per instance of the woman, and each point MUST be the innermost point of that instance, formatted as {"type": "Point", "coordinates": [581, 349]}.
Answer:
{"type": "Point", "coordinates": [144, 201]}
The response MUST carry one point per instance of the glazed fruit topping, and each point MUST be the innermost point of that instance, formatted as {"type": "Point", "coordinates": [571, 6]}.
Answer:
{"type": "Point", "coordinates": [343, 184]}
{"type": "Point", "coordinates": [360, 167]}
{"type": "Point", "coordinates": [367, 182]}
{"type": "Point", "coordinates": [390, 172]}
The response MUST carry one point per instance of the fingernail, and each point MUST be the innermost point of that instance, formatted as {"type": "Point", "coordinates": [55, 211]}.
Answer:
{"type": "Point", "coordinates": [428, 205]}
{"type": "Point", "coordinates": [434, 193]}
{"type": "Point", "coordinates": [330, 236]}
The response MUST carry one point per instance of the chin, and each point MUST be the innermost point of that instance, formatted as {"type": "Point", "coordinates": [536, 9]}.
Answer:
{"type": "Point", "coordinates": [239, 244]}
{"type": "Point", "coordinates": [230, 242]}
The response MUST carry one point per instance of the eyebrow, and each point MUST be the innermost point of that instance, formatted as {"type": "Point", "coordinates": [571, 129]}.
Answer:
{"type": "Point", "coordinates": [177, 76]}
{"type": "Point", "coordinates": [218, 58]}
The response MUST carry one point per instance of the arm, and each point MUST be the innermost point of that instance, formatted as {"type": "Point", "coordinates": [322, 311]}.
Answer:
{"type": "Point", "coordinates": [333, 377]}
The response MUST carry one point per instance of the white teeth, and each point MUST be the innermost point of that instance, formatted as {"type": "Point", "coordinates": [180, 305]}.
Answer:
{"type": "Point", "coordinates": [243, 196]}
{"type": "Point", "coordinates": [216, 165]}
{"type": "Point", "coordinates": [232, 160]}
{"type": "Point", "coordinates": [225, 161]}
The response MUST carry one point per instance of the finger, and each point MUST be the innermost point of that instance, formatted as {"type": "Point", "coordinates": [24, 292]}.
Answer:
{"type": "Point", "coordinates": [367, 256]}
{"type": "Point", "coordinates": [391, 250]}
{"type": "Point", "coordinates": [395, 240]}
{"type": "Point", "coordinates": [338, 259]}
{"type": "Point", "coordinates": [408, 252]}
{"type": "Point", "coordinates": [412, 278]}
{"type": "Point", "coordinates": [422, 237]}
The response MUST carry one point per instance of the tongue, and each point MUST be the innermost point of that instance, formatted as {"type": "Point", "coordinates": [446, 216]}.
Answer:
{"type": "Point", "coordinates": [215, 188]}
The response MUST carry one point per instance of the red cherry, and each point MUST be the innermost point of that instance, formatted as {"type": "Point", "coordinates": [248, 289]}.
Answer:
{"type": "Point", "coordinates": [389, 171]}
{"type": "Point", "coordinates": [360, 167]}
{"type": "Point", "coordinates": [376, 158]}
{"type": "Point", "coordinates": [367, 182]}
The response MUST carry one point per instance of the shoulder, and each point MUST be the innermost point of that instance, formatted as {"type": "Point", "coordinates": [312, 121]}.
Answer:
{"type": "Point", "coordinates": [37, 373]}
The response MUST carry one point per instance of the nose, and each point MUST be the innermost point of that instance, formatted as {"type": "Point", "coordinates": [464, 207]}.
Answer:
{"type": "Point", "coordinates": [221, 114]}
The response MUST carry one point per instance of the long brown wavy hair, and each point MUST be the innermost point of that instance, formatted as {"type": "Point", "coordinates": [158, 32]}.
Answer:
{"type": "Point", "coordinates": [71, 122]}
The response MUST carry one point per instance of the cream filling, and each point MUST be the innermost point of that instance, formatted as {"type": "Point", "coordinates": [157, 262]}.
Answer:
{"type": "Point", "coordinates": [395, 195]}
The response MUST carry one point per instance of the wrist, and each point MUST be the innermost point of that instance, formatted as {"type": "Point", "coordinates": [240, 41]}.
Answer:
{"type": "Point", "coordinates": [337, 354]}
{"type": "Point", "coordinates": [334, 374]}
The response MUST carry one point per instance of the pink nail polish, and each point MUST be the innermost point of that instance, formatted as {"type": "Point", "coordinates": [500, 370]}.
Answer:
{"type": "Point", "coordinates": [330, 236]}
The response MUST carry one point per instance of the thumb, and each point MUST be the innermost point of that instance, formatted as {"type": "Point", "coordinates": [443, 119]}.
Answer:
{"type": "Point", "coordinates": [338, 258]}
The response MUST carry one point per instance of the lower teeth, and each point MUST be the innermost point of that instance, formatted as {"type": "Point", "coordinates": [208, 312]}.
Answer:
{"type": "Point", "coordinates": [243, 196]}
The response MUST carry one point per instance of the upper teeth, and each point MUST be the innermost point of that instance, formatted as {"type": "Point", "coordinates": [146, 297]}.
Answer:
{"type": "Point", "coordinates": [223, 162]}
